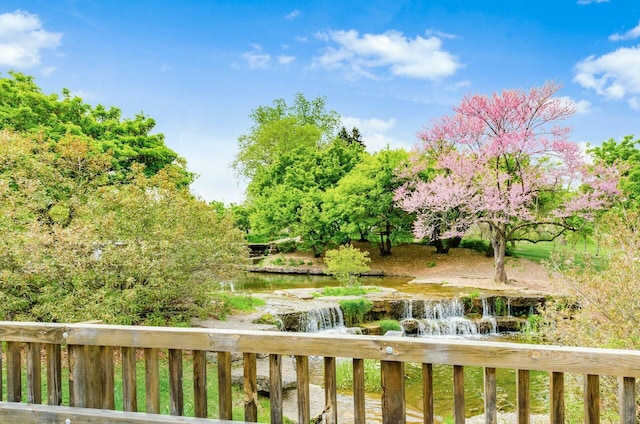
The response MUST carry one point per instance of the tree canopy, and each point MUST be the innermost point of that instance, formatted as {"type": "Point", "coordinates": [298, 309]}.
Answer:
{"type": "Point", "coordinates": [505, 165]}
{"type": "Point", "coordinates": [26, 109]}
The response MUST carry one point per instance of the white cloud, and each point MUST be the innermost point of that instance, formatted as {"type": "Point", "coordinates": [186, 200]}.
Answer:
{"type": "Point", "coordinates": [291, 16]}
{"type": "Point", "coordinates": [629, 35]}
{"type": "Point", "coordinates": [586, 2]}
{"type": "Point", "coordinates": [581, 107]}
{"type": "Point", "coordinates": [256, 59]}
{"type": "Point", "coordinates": [285, 60]}
{"type": "Point", "coordinates": [634, 103]}
{"type": "Point", "coordinates": [420, 57]}
{"type": "Point", "coordinates": [22, 38]}
{"type": "Point", "coordinates": [440, 34]}
{"type": "Point", "coordinates": [613, 75]}
{"type": "Point", "coordinates": [374, 132]}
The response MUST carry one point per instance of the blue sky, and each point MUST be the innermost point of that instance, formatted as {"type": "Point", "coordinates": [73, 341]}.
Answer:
{"type": "Point", "coordinates": [387, 67]}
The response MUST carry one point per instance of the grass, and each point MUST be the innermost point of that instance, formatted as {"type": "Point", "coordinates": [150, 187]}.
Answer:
{"type": "Point", "coordinates": [545, 250]}
{"type": "Point", "coordinates": [242, 302]}
{"type": "Point", "coordinates": [355, 290]}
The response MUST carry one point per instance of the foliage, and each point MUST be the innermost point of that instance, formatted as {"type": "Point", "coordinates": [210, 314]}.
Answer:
{"type": "Point", "coordinates": [242, 302]}
{"type": "Point", "coordinates": [389, 325]}
{"type": "Point", "coordinates": [128, 142]}
{"type": "Point", "coordinates": [77, 247]}
{"type": "Point", "coordinates": [279, 128]}
{"type": "Point", "coordinates": [355, 290]}
{"type": "Point", "coordinates": [288, 195]}
{"type": "Point", "coordinates": [363, 200]}
{"type": "Point", "coordinates": [344, 375]}
{"type": "Point", "coordinates": [603, 309]}
{"type": "Point", "coordinates": [345, 263]}
{"type": "Point", "coordinates": [625, 155]}
{"type": "Point", "coordinates": [504, 165]}
{"type": "Point", "coordinates": [354, 310]}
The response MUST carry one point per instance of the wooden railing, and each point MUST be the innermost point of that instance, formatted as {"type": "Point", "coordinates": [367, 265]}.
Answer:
{"type": "Point", "coordinates": [86, 352]}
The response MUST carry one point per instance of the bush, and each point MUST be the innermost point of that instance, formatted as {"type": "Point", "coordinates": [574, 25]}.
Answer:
{"type": "Point", "coordinates": [346, 263]}
{"type": "Point", "coordinates": [389, 325]}
{"type": "Point", "coordinates": [354, 310]}
{"type": "Point", "coordinates": [288, 246]}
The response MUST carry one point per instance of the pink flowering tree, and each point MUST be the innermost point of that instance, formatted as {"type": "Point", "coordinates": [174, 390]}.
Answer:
{"type": "Point", "coordinates": [503, 163]}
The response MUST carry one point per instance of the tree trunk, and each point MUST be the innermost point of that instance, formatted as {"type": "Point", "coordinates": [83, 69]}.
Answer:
{"type": "Point", "coordinates": [440, 247]}
{"type": "Point", "coordinates": [499, 251]}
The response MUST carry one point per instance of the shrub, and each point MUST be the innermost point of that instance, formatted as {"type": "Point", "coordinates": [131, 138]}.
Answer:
{"type": "Point", "coordinates": [389, 325]}
{"type": "Point", "coordinates": [354, 310]}
{"type": "Point", "coordinates": [345, 263]}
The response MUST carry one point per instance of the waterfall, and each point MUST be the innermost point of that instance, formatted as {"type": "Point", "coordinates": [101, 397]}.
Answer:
{"type": "Point", "coordinates": [488, 316]}
{"type": "Point", "coordinates": [325, 319]}
{"type": "Point", "coordinates": [408, 309]}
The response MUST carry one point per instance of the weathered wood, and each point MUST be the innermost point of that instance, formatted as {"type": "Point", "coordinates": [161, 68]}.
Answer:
{"type": "Point", "coordinates": [627, 400]}
{"type": "Point", "coordinates": [176, 394]}
{"type": "Point", "coordinates": [200, 384]}
{"type": "Point", "coordinates": [22, 413]}
{"type": "Point", "coordinates": [250, 387]}
{"type": "Point", "coordinates": [427, 394]}
{"type": "Point", "coordinates": [490, 396]}
{"type": "Point", "coordinates": [152, 380]}
{"type": "Point", "coordinates": [14, 374]}
{"type": "Point", "coordinates": [1, 385]}
{"type": "Point", "coordinates": [275, 388]}
{"type": "Point", "coordinates": [522, 393]}
{"type": "Point", "coordinates": [54, 374]}
{"type": "Point", "coordinates": [591, 399]}
{"type": "Point", "coordinates": [77, 376]}
{"type": "Point", "coordinates": [330, 391]}
{"type": "Point", "coordinates": [224, 385]}
{"type": "Point", "coordinates": [34, 373]}
{"type": "Point", "coordinates": [393, 403]}
{"type": "Point", "coordinates": [556, 397]}
{"type": "Point", "coordinates": [302, 385]}
{"type": "Point", "coordinates": [129, 382]}
{"type": "Point", "coordinates": [107, 394]}
{"type": "Point", "coordinates": [458, 394]}
{"type": "Point", "coordinates": [623, 363]}
{"type": "Point", "coordinates": [359, 414]}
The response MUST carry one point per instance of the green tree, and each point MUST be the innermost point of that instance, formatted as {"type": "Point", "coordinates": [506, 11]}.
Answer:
{"type": "Point", "coordinates": [279, 128]}
{"type": "Point", "coordinates": [77, 246]}
{"type": "Point", "coordinates": [626, 155]}
{"type": "Point", "coordinates": [288, 195]}
{"type": "Point", "coordinates": [363, 200]}
{"type": "Point", "coordinates": [26, 109]}
{"type": "Point", "coordinates": [345, 264]}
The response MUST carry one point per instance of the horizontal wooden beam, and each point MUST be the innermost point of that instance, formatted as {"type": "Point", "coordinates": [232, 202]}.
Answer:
{"type": "Point", "coordinates": [622, 363]}
{"type": "Point", "coordinates": [21, 413]}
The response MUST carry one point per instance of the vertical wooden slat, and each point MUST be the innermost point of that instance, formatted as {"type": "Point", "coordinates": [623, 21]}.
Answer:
{"type": "Point", "coordinates": [176, 395]}
{"type": "Point", "coordinates": [275, 388]}
{"type": "Point", "coordinates": [14, 374]}
{"type": "Point", "coordinates": [302, 377]}
{"type": "Point", "coordinates": [34, 374]}
{"type": "Point", "coordinates": [358, 392]}
{"type": "Point", "coordinates": [627, 399]}
{"type": "Point", "coordinates": [490, 399]}
{"type": "Point", "coordinates": [107, 394]}
{"type": "Point", "coordinates": [224, 385]}
{"type": "Point", "coordinates": [129, 384]}
{"type": "Point", "coordinates": [152, 380]}
{"type": "Point", "coordinates": [54, 374]}
{"type": "Point", "coordinates": [591, 399]}
{"type": "Point", "coordinates": [393, 403]}
{"type": "Point", "coordinates": [427, 393]}
{"type": "Point", "coordinates": [330, 391]}
{"type": "Point", "coordinates": [556, 395]}
{"type": "Point", "coordinates": [1, 385]}
{"type": "Point", "coordinates": [522, 393]}
{"type": "Point", "coordinates": [200, 384]}
{"type": "Point", "coordinates": [250, 388]}
{"type": "Point", "coordinates": [77, 376]}
{"type": "Point", "coordinates": [458, 394]}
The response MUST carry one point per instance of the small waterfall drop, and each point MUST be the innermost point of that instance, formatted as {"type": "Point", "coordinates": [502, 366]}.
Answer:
{"type": "Point", "coordinates": [488, 316]}
{"type": "Point", "coordinates": [328, 319]}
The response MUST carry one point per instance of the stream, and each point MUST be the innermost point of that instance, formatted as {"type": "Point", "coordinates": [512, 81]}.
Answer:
{"type": "Point", "coordinates": [443, 317]}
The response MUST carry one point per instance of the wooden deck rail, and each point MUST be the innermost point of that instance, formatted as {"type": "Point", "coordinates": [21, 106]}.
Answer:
{"type": "Point", "coordinates": [89, 353]}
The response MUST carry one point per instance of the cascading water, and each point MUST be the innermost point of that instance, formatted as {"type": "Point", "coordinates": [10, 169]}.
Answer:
{"type": "Point", "coordinates": [328, 319]}
{"type": "Point", "coordinates": [488, 316]}
{"type": "Point", "coordinates": [445, 318]}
